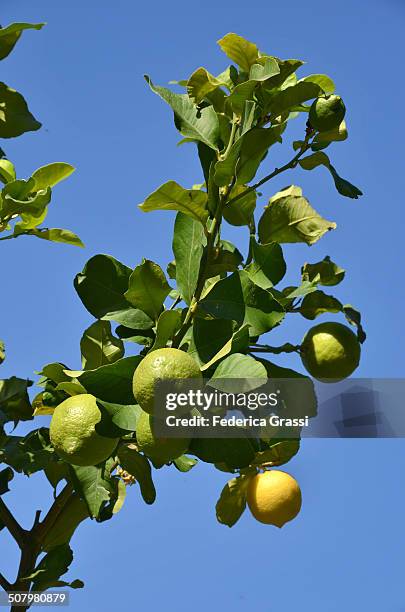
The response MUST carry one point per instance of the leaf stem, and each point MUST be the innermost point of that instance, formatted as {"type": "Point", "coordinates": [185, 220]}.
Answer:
{"type": "Point", "coordinates": [231, 139]}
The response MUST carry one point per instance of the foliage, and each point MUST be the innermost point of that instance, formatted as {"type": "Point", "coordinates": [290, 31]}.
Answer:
{"type": "Point", "coordinates": [214, 302]}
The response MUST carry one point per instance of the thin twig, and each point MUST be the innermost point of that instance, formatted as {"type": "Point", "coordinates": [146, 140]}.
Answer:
{"type": "Point", "coordinates": [18, 533]}
{"type": "Point", "coordinates": [37, 518]}
{"type": "Point", "coordinates": [4, 583]}
{"type": "Point", "coordinates": [291, 164]}
{"type": "Point", "coordinates": [276, 350]}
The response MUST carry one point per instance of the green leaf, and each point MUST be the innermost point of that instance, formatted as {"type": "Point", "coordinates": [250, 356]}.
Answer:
{"type": "Point", "coordinates": [325, 272]}
{"type": "Point", "coordinates": [7, 171]}
{"type": "Point", "coordinates": [184, 463]}
{"type": "Point", "coordinates": [133, 318]}
{"type": "Point", "coordinates": [298, 401]}
{"type": "Point", "coordinates": [225, 169]}
{"type": "Point", "coordinates": [188, 244]}
{"type": "Point", "coordinates": [168, 324]}
{"type": "Point", "coordinates": [235, 453]}
{"type": "Point", "coordinates": [268, 266]}
{"type": "Point", "coordinates": [121, 497]}
{"type": "Point", "coordinates": [192, 122]}
{"type": "Point", "coordinates": [56, 471]}
{"type": "Point", "coordinates": [117, 420]}
{"type": "Point", "coordinates": [14, 400]}
{"type": "Point", "coordinates": [18, 197]}
{"type": "Point", "coordinates": [101, 287]}
{"type": "Point", "coordinates": [354, 318]}
{"type": "Point", "coordinates": [52, 174]}
{"type": "Point", "coordinates": [262, 311]}
{"type": "Point", "coordinates": [51, 567]}
{"type": "Point", "coordinates": [232, 501]}
{"type": "Point", "coordinates": [321, 159]}
{"type": "Point", "coordinates": [112, 382]}
{"type": "Point", "coordinates": [323, 80]}
{"type": "Point", "coordinates": [94, 485]}
{"type": "Point", "coordinates": [207, 157]}
{"type": "Point", "coordinates": [249, 372]}
{"type": "Point", "coordinates": [148, 288]}
{"type": "Point", "coordinates": [15, 117]}
{"type": "Point", "coordinates": [54, 372]}
{"type": "Point", "coordinates": [237, 343]}
{"type": "Point", "coordinates": [138, 466]}
{"type": "Point", "coordinates": [239, 50]}
{"type": "Point", "coordinates": [317, 303]}
{"type": "Point", "coordinates": [201, 83]}
{"type": "Point", "coordinates": [226, 258]}
{"type": "Point", "coordinates": [306, 287]}
{"type": "Point", "coordinates": [242, 93]}
{"type": "Point", "coordinates": [264, 68]}
{"type": "Point", "coordinates": [99, 346]}
{"type": "Point", "coordinates": [344, 187]}
{"type": "Point", "coordinates": [291, 218]}
{"type": "Point", "coordinates": [248, 117]}
{"type": "Point", "coordinates": [2, 351]}
{"type": "Point", "coordinates": [225, 300]}
{"type": "Point", "coordinates": [239, 299]}
{"type": "Point", "coordinates": [290, 97]}
{"type": "Point", "coordinates": [336, 135]}
{"type": "Point", "coordinates": [30, 221]}
{"type": "Point", "coordinates": [144, 337]}
{"type": "Point", "coordinates": [53, 234]}
{"type": "Point", "coordinates": [171, 196]}
{"type": "Point", "coordinates": [240, 212]}
{"type": "Point", "coordinates": [6, 476]}
{"type": "Point", "coordinates": [209, 336]}
{"type": "Point", "coordinates": [72, 514]}
{"type": "Point", "coordinates": [254, 147]}
{"type": "Point", "coordinates": [278, 453]}
{"type": "Point", "coordinates": [9, 36]}
{"type": "Point", "coordinates": [29, 454]}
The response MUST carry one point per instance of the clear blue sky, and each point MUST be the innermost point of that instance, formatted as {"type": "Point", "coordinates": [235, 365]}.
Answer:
{"type": "Point", "coordinates": [82, 76]}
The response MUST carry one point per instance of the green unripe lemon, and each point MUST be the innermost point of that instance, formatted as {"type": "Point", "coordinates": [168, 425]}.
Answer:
{"type": "Point", "coordinates": [274, 497]}
{"type": "Point", "coordinates": [162, 364]}
{"type": "Point", "coordinates": [327, 113]}
{"type": "Point", "coordinates": [73, 434]}
{"type": "Point", "coordinates": [160, 450]}
{"type": "Point", "coordinates": [330, 351]}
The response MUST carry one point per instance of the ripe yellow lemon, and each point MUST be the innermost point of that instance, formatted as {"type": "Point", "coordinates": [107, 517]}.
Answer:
{"type": "Point", "coordinates": [330, 351]}
{"type": "Point", "coordinates": [274, 497]}
{"type": "Point", "coordinates": [73, 434]}
{"type": "Point", "coordinates": [162, 364]}
{"type": "Point", "coordinates": [327, 113]}
{"type": "Point", "coordinates": [160, 450]}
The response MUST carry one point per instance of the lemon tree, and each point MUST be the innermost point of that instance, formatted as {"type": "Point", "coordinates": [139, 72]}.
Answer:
{"type": "Point", "coordinates": [209, 312]}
